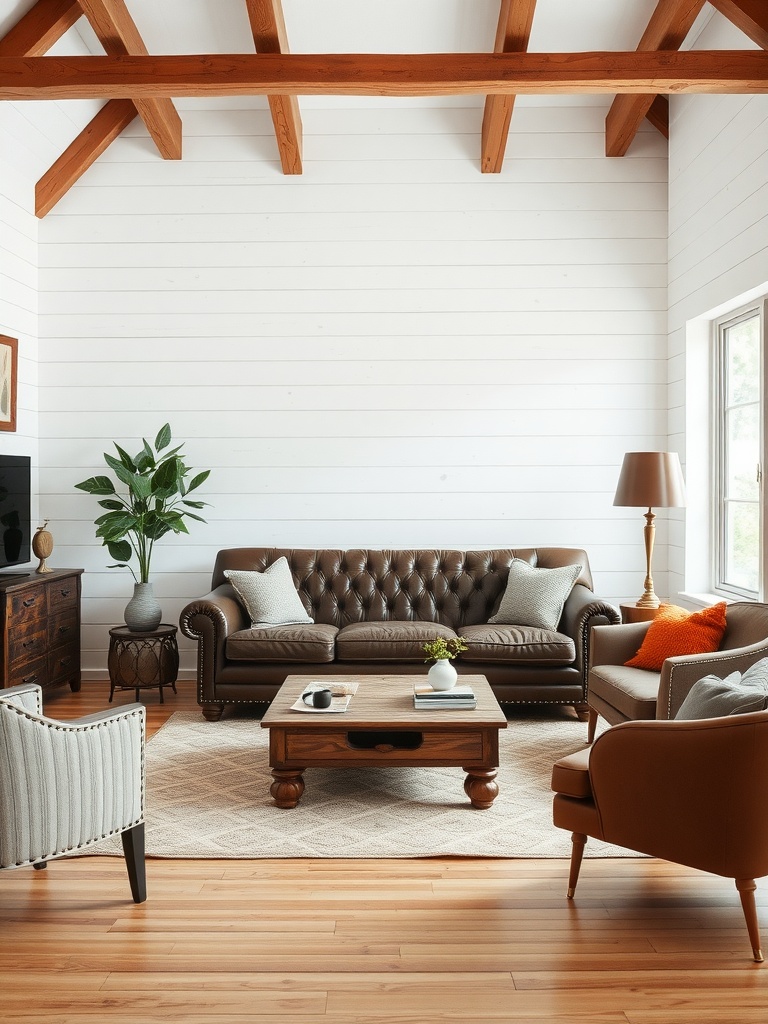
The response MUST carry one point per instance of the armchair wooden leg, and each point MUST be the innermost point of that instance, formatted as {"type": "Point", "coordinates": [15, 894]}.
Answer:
{"type": "Point", "coordinates": [133, 848]}
{"type": "Point", "coordinates": [579, 841]}
{"type": "Point", "coordinates": [591, 725]}
{"type": "Point", "coordinates": [746, 887]}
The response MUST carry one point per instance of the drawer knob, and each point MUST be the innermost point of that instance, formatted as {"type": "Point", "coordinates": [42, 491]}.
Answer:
{"type": "Point", "coordinates": [29, 679]}
{"type": "Point", "coordinates": [63, 629]}
{"type": "Point", "coordinates": [29, 643]}
{"type": "Point", "coordinates": [29, 602]}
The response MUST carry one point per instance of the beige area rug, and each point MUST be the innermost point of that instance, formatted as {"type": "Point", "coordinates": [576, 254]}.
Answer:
{"type": "Point", "coordinates": [208, 797]}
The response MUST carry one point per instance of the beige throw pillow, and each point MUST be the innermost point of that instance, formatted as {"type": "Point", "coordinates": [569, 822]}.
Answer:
{"type": "Point", "coordinates": [270, 597]}
{"type": "Point", "coordinates": [535, 597]}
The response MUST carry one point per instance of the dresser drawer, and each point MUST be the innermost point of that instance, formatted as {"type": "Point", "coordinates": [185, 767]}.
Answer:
{"type": "Point", "coordinates": [28, 605]}
{"type": "Point", "coordinates": [28, 672]}
{"type": "Point", "coordinates": [62, 595]}
{"type": "Point", "coordinates": [27, 642]}
{"type": "Point", "coordinates": [64, 664]}
{"type": "Point", "coordinates": [63, 628]}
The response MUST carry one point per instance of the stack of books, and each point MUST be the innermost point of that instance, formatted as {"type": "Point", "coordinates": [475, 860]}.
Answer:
{"type": "Point", "coordinates": [460, 696]}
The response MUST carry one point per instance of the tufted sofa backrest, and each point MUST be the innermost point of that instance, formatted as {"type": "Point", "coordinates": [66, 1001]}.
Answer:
{"type": "Point", "coordinates": [456, 588]}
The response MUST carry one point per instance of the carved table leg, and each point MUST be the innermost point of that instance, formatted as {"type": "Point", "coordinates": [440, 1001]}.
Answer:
{"type": "Point", "coordinates": [480, 786]}
{"type": "Point", "coordinates": [288, 786]}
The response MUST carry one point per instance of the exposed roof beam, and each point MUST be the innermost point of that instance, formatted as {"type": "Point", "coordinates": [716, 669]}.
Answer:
{"type": "Point", "coordinates": [269, 36]}
{"type": "Point", "coordinates": [118, 34]}
{"type": "Point", "coordinates": [658, 115]}
{"type": "Point", "coordinates": [512, 35]}
{"type": "Point", "coordinates": [36, 32]}
{"type": "Point", "coordinates": [349, 74]}
{"type": "Point", "coordinates": [751, 16]}
{"type": "Point", "coordinates": [105, 127]}
{"type": "Point", "coordinates": [669, 25]}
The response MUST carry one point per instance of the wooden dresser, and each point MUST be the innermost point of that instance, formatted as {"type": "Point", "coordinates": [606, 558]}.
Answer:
{"type": "Point", "coordinates": [41, 628]}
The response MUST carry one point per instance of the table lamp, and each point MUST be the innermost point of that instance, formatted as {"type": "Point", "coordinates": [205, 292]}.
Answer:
{"type": "Point", "coordinates": [650, 480]}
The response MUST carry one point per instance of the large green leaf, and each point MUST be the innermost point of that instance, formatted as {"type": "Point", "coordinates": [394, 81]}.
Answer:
{"type": "Point", "coordinates": [142, 486]}
{"type": "Point", "coordinates": [115, 525]}
{"type": "Point", "coordinates": [120, 550]}
{"type": "Point", "coordinates": [165, 477]}
{"type": "Point", "coordinates": [121, 472]}
{"type": "Point", "coordinates": [199, 479]}
{"type": "Point", "coordinates": [145, 459]}
{"type": "Point", "coordinates": [97, 485]}
{"type": "Point", "coordinates": [111, 503]}
{"type": "Point", "coordinates": [194, 504]}
{"type": "Point", "coordinates": [163, 438]}
{"type": "Point", "coordinates": [192, 515]}
{"type": "Point", "coordinates": [125, 458]}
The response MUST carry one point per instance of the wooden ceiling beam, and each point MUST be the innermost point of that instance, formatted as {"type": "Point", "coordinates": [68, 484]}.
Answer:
{"type": "Point", "coordinates": [33, 35]}
{"type": "Point", "coordinates": [36, 32]}
{"type": "Point", "coordinates": [105, 127]}
{"type": "Point", "coordinates": [349, 74]}
{"type": "Point", "coordinates": [751, 16]}
{"type": "Point", "coordinates": [269, 36]}
{"type": "Point", "coordinates": [670, 23]}
{"type": "Point", "coordinates": [118, 34]}
{"type": "Point", "coordinates": [512, 35]}
{"type": "Point", "coordinates": [658, 115]}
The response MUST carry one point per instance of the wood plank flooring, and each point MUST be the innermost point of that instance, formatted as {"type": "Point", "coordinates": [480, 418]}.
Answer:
{"type": "Point", "coordinates": [371, 942]}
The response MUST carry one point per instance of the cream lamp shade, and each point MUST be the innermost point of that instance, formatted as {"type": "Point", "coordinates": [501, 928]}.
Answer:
{"type": "Point", "coordinates": [650, 480]}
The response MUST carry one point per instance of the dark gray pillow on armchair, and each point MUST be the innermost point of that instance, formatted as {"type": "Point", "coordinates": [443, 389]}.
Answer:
{"type": "Point", "coordinates": [737, 694]}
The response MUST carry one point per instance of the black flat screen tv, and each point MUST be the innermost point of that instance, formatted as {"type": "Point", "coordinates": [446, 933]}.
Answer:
{"type": "Point", "coordinates": [15, 511]}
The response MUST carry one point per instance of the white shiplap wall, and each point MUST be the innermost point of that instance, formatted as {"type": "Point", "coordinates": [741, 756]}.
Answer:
{"type": "Point", "coordinates": [391, 350]}
{"type": "Point", "coordinates": [18, 299]}
{"type": "Point", "coordinates": [718, 252]}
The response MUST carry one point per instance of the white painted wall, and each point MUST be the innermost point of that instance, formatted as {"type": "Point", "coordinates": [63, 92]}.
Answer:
{"type": "Point", "coordinates": [391, 350]}
{"type": "Point", "coordinates": [18, 295]}
{"type": "Point", "coordinates": [718, 252]}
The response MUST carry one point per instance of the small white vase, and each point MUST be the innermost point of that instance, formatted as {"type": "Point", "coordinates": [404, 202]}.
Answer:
{"type": "Point", "coordinates": [442, 675]}
{"type": "Point", "coordinates": [143, 612]}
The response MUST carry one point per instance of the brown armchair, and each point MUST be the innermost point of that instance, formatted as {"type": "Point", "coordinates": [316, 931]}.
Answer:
{"type": "Point", "coordinates": [691, 792]}
{"type": "Point", "coordinates": [618, 693]}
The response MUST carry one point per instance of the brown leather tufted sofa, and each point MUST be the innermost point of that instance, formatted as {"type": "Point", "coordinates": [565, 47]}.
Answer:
{"type": "Point", "coordinates": [372, 612]}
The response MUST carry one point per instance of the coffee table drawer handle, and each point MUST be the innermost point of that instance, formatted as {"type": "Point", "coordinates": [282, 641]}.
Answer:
{"type": "Point", "coordinates": [384, 742]}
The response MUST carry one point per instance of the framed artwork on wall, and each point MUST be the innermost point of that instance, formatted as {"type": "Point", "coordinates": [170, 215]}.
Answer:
{"type": "Point", "coordinates": [9, 355]}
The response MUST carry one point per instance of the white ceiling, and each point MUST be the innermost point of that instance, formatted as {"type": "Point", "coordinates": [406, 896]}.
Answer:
{"type": "Point", "coordinates": [373, 26]}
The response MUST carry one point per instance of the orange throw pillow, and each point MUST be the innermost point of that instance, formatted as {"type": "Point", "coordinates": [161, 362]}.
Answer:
{"type": "Point", "coordinates": [677, 631]}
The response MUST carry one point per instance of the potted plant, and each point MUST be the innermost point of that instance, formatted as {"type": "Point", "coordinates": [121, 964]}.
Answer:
{"type": "Point", "coordinates": [442, 675]}
{"type": "Point", "coordinates": [157, 503]}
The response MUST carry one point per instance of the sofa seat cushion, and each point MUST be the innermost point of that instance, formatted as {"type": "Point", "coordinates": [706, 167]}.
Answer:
{"type": "Point", "coordinates": [387, 641]}
{"type": "Point", "coordinates": [521, 644]}
{"type": "Point", "coordinates": [570, 775]}
{"type": "Point", "coordinates": [309, 644]}
{"type": "Point", "coordinates": [631, 691]}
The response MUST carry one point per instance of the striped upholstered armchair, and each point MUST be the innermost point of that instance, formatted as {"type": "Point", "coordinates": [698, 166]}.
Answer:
{"type": "Point", "coordinates": [66, 785]}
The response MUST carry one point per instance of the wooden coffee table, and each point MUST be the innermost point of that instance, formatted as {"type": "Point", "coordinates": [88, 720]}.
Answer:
{"type": "Point", "coordinates": [381, 727]}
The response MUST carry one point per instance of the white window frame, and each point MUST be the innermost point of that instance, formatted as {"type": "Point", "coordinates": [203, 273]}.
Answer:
{"type": "Point", "coordinates": [721, 586]}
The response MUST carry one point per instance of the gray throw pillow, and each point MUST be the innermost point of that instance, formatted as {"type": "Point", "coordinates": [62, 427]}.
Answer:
{"type": "Point", "coordinates": [270, 597]}
{"type": "Point", "coordinates": [737, 694]}
{"type": "Point", "coordinates": [535, 597]}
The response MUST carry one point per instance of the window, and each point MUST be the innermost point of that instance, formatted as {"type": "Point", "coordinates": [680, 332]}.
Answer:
{"type": "Point", "coordinates": [738, 448]}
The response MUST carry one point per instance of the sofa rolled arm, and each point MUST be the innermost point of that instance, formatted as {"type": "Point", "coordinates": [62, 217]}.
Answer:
{"type": "Point", "coordinates": [679, 674]}
{"type": "Point", "coordinates": [210, 620]}
{"type": "Point", "coordinates": [581, 612]}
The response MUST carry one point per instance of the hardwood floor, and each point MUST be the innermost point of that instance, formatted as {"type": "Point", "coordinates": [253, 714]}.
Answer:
{"type": "Point", "coordinates": [372, 942]}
